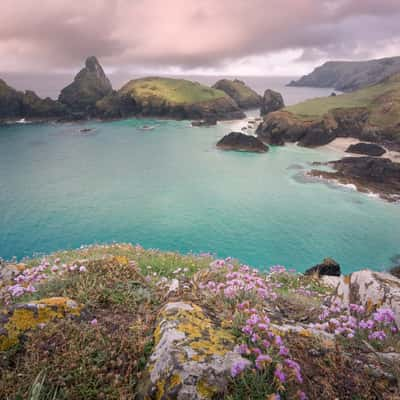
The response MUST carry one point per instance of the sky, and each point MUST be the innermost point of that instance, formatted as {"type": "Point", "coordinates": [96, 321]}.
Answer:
{"type": "Point", "coordinates": [230, 37]}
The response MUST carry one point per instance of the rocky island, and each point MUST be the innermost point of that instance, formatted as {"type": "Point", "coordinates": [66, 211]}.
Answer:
{"type": "Point", "coordinates": [241, 142]}
{"type": "Point", "coordinates": [347, 76]}
{"type": "Point", "coordinates": [244, 96]}
{"type": "Point", "coordinates": [91, 95]}
{"type": "Point", "coordinates": [119, 321]}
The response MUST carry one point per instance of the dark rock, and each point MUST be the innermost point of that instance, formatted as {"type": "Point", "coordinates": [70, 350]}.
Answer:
{"type": "Point", "coordinates": [241, 142]}
{"type": "Point", "coordinates": [333, 94]}
{"type": "Point", "coordinates": [368, 174]}
{"type": "Point", "coordinates": [89, 86]}
{"type": "Point", "coordinates": [327, 267]}
{"type": "Point", "coordinates": [244, 96]}
{"type": "Point", "coordinates": [317, 135]}
{"type": "Point", "coordinates": [10, 102]}
{"type": "Point", "coordinates": [369, 149]}
{"type": "Point", "coordinates": [395, 271]}
{"type": "Point", "coordinates": [271, 101]}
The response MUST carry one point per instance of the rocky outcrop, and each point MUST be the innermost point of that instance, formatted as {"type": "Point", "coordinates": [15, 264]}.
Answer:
{"type": "Point", "coordinates": [244, 96]}
{"type": "Point", "coordinates": [350, 75]}
{"type": "Point", "coordinates": [368, 174]}
{"type": "Point", "coordinates": [271, 101]}
{"type": "Point", "coordinates": [15, 105]}
{"type": "Point", "coordinates": [205, 122]}
{"type": "Point", "coordinates": [328, 267]}
{"type": "Point", "coordinates": [19, 318]}
{"type": "Point", "coordinates": [369, 149]}
{"type": "Point", "coordinates": [192, 357]}
{"type": "Point", "coordinates": [371, 289]}
{"type": "Point", "coordinates": [89, 86]}
{"type": "Point", "coordinates": [240, 142]}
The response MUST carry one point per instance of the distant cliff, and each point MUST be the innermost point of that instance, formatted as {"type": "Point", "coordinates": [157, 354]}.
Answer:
{"type": "Point", "coordinates": [347, 76]}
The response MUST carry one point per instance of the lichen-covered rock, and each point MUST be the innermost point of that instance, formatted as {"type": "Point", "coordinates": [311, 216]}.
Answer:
{"type": "Point", "coordinates": [372, 289]}
{"type": "Point", "coordinates": [192, 356]}
{"type": "Point", "coordinates": [19, 318]}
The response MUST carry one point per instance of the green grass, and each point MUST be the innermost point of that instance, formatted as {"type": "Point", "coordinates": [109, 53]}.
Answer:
{"type": "Point", "coordinates": [172, 91]}
{"type": "Point", "coordinates": [372, 97]}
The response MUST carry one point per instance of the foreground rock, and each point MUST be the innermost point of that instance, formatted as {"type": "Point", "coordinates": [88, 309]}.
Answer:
{"type": "Point", "coordinates": [20, 318]}
{"type": "Point", "coordinates": [328, 267]}
{"type": "Point", "coordinates": [90, 85]}
{"type": "Point", "coordinates": [244, 96]}
{"type": "Point", "coordinates": [371, 289]}
{"type": "Point", "coordinates": [271, 101]}
{"type": "Point", "coordinates": [395, 271]}
{"type": "Point", "coordinates": [368, 174]}
{"type": "Point", "coordinates": [240, 142]}
{"type": "Point", "coordinates": [192, 357]}
{"type": "Point", "coordinates": [369, 149]}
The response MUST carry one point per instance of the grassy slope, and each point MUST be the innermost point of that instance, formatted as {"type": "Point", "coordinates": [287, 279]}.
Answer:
{"type": "Point", "coordinates": [244, 91]}
{"type": "Point", "coordinates": [173, 91]}
{"type": "Point", "coordinates": [372, 97]}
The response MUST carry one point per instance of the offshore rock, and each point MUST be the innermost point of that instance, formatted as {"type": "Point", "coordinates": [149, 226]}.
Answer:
{"type": "Point", "coordinates": [271, 101]}
{"type": "Point", "coordinates": [18, 319]}
{"type": "Point", "coordinates": [369, 149]}
{"type": "Point", "coordinates": [192, 356]}
{"type": "Point", "coordinates": [371, 289]}
{"type": "Point", "coordinates": [240, 142]}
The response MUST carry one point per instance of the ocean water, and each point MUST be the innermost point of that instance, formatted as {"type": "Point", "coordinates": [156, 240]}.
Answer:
{"type": "Point", "coordinates": [170, 188]}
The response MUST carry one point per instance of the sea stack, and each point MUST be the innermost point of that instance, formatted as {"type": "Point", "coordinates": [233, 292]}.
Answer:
{"type": "Point", "coordinates": [240, 142]}
{"type": "Point", "coordinates": [90, 85]}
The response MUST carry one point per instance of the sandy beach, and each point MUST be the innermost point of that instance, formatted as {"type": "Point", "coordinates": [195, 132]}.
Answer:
{"type": "Point", "coordinates": [341, 144]}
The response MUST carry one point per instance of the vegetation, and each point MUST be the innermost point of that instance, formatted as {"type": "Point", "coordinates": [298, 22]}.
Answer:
{"type": "Point", "coordinates": [382, 100]}
{"type": "Point", "coordinates": [171, 91]}
{"type": "Point", "coordinates": [103, 352]}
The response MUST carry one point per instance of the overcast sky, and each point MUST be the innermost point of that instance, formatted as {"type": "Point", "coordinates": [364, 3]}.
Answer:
{"type": "Point", "coordinates": [235, 37]}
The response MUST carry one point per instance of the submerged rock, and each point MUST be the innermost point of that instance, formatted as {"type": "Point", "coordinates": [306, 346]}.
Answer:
{"type": "Point", "coordinates": [371, 289]}
{"type": "Point", "coordinates": [241, 142]}
{"type": "Point", "coordinates": [244, 96]}
{"type": "Point", "coordinates": [271, 101]}
{"type": "Point", "coordinates": [369, 149]}
{"type": "Point", "coordinates": [328, 267]}
{"type": "Point", "coordinates": [205, 122]}
{"type": "Point", "coordinates": [192, 357]}
{"type": "Point", "coordinates": [19, 318]}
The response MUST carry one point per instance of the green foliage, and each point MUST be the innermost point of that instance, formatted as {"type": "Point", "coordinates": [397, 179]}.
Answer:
{"type": "Point", "coordinates": [170, 91]}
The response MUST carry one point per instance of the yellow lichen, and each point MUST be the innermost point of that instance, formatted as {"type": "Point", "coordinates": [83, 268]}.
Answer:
{"type": "Point", "coordinates": [346, 279]}
{"type": "Point", "coordinates": [43, 311]}
{"type": "Point", "coordinates": [206, 390]}
{"type": "Point", "coordinates": [121, 260]}
{"type": "Point", "coordinates": [160, 389]}
{"type": "Point", "coordinates": [175, 381]}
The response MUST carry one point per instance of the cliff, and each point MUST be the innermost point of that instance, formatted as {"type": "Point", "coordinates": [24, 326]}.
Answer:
{"type": "Point", "coordinates": [350, 75]}
{"type": "Point", "coordinates": [120, 321]}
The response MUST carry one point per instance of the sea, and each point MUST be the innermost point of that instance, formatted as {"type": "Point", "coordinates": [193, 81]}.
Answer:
{"type": "Point", "coordinates": [170, 188]}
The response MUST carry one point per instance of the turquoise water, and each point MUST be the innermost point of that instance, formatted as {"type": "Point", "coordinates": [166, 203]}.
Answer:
{"type": "Point", "coordinates": [170, 188]}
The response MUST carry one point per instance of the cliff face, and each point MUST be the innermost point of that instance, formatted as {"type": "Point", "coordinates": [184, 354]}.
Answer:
{"type": "Point", "coordinates": [350, 75]}
{"type": "Point", "coordinates": [89, 85]}
{"type": "Point", "coordinates": [244, 96]}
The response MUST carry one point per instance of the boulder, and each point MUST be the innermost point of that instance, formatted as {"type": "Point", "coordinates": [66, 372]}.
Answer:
{"type": "Point", "coordinates": [328, 267]}
{"type": "Point", "coordinates": [18, 319]}
{"type": "Point", "coordinates": [271, 101]}
{"type": "Point", "coordinates": [240, 142]}
{"type": "Point", "coordinates": [371, 289]}
{"type": "Point", "coordinates": [369, 149]}
{"type": "Point", "coordinates": [192, 357]}
{"type": "Point", "coordinates": [244, 96]}
{"type": "Point", "coordinates": [89, 86]}
{"type": "Point", "coordinates": [395, 271]}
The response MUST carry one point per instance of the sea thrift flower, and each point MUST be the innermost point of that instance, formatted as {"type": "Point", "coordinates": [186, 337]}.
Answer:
{"type": "Point", "coordinates": [238, 367]}
{"type": "Point", "coordinates": [279, 374]}
{"type": "Point", "coordinates": [82, 268]}
{"type": "Point", "coordinates": [93, 322]}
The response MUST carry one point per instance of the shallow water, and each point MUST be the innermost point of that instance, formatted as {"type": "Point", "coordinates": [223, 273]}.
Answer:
{"type": "Point", "coordinates": [170, 188]}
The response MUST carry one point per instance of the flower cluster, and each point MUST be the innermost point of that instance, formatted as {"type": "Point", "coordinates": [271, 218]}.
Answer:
{"type": "Point", "coordinates": [26, 281]}
{"type": "Point", "coordinates": [353, 320]}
